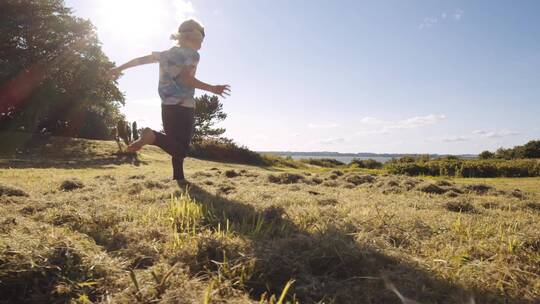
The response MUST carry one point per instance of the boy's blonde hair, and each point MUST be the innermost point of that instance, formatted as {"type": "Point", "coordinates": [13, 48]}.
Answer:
{"type": "Point", "coordinates": [189, 30]}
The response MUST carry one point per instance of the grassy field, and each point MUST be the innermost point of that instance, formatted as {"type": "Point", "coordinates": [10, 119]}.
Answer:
{"type": "Point", "coordinates": [79, 223]}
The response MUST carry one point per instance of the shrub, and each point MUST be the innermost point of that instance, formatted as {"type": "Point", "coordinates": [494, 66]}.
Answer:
{"type": "Point", "coordinates": [323, 162]}
{"type": "Point", "coordinates": [366, 163]}
{"type": "Point", "coordinates": [407, 168]}
{"type": "Point", "coordinates": [225, 150]}
{"type": "Point", "coordinates": [405, 159]}
{"type": "Point", "coordinates": [486, 155]}
{"type": "Point", "coordinates": [278, 161]}
{"type": "Point", "coordinates": [468, 168]}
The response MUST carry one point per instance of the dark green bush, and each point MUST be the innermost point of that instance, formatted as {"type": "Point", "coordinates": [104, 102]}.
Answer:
{"type": "Point", "coordinates": [285, 162]}
{"type": "Point", "coordinates": [323, 162]}
{"type": "Point", "coordinates": [366, 163]}
{"type": "Point", "coordinates": [225, 150]}
{"type": "Point", "coordinates": [468, 168]}
{"type": "Point", "coordinates": [404, 159]}
{"type": "Point", "coordinates": [486, 155]}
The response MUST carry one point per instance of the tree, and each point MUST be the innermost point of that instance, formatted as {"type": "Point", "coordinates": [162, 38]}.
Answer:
{"type": "Point", "coordinates": [531, 149]}
{"type": "Point", "coordinates": [486, 155]}
{"type": "Point", "coordinates": [53, 74]}
{"type": "Point", "coordinates": [504, 153]}
{"type": "Point", "coordinates": [208, 112]}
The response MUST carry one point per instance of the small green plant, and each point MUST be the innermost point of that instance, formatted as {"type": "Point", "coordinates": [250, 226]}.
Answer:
{"type": "Point", "coordinates": [185, 214]}
{"type": "Point", "coordinates": [273, 300]}
{"type": "Point", "coordinates": [208, 293]}
{"type": "Point", "coordinates": [237, 272]}
{"type": "Point", "coordinates": [159, 287]}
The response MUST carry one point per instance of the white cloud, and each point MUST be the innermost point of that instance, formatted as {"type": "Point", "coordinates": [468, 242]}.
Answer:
{"type": "Point", "coordinates": [323, 126]}
{"type": "Point", "coordinates": [419, 121]}
{"type": "Point", "coordinates": [373, 132]}
{"type": "Point", "coordinates": [495, 134]}
{"type": "Point", "coordinates": [183, 10]}
{"type": "Point", "coordinates": [455, 139]}
{"type": "Point", "coordinates": [371, 120]}
{"type": "Point", "coordinates": [479, 132]}
{"type": "Point", "coordinates": [458, 13]}
{"type": "Point", "coordinates": [428, 22]}
{"type": "Point", "coordinates": [379, 126]}
{"type": "Point", "coordinates": [332, 141]}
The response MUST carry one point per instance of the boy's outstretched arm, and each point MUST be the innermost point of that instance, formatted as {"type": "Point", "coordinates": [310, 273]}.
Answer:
{"type": "Point", "coordinates": [136, 62]}
{"type": "Point", "coordinates": [188, 79]}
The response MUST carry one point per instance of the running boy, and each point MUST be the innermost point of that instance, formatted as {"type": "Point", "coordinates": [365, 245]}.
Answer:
{"type": "Point", "coordinates": [177, 84]}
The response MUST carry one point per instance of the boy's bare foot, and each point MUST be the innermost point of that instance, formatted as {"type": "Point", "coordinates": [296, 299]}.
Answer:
{"type": "Point", "coordinates": [147, 137]}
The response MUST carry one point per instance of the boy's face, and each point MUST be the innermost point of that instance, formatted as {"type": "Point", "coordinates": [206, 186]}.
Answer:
{"type": "Point", "coordinates": [193, 40]}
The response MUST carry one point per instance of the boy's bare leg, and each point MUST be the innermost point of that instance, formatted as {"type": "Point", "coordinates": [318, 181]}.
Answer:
{"type": "Point", "coordinates": [147, 137]}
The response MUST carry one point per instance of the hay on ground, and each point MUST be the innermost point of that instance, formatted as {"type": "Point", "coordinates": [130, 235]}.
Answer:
{"type": "Point", "coordinates": [460, 206]}
{"type": "Point", "coordinates": [359, 179]}
{"type": "Point", "coordinates": [71, 184]}
{"type": "Point", "coordinates": [477, 188]}
{"type": "Point", "coordinates": [430, 188]}
{"type": "Point", "coordinates": [232, 173]}
{"type": "Point", "coordinates": [11, 191]}
{"type": "Point", "coordinates": [285, 178]}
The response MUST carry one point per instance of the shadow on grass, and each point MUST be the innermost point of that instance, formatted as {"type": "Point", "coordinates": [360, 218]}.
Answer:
{"type": "Point", "coordinates": [37, 161]}
{"type": "Point", "coordinates": [328, 266]}
{"type": "Point", "coordinates": [25, 150]}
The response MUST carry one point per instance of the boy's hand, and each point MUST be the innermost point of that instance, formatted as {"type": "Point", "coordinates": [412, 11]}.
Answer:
{"type": "Point", "coordinates": [221, 90]}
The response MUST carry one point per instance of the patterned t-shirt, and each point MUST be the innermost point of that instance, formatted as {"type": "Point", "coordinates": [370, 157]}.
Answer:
{"type": "Point", "coordinates": [171, 63]}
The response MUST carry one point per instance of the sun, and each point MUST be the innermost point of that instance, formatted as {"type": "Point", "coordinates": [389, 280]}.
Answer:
{"type": "Point", "coordinates": [133, 20]}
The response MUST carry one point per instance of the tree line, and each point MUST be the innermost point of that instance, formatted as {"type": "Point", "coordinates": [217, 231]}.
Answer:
{"type": "Point", "coordinates": [528, 150]}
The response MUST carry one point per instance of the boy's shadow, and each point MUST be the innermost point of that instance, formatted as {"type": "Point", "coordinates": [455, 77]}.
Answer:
{"type": "Point", "coordinates": [328, 266]}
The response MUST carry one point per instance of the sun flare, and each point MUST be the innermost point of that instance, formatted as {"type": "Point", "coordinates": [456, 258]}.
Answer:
{"type": "Point", "coordinates": [135, 20]}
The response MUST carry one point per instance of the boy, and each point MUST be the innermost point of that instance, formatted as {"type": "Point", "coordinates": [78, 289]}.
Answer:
{"type": "Point", "coordinates": [177, 84]}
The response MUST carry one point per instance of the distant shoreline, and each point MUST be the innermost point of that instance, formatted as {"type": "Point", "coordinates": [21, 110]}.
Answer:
{"type": "Point", "coordinates": [348, 157]}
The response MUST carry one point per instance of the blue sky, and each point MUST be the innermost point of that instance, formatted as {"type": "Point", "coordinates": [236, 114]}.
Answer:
{"type": "Point", "coordinates": [346, 76]}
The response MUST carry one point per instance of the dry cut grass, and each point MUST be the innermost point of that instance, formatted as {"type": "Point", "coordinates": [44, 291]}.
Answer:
{"type": "Point", "coordinates": [119, 232]}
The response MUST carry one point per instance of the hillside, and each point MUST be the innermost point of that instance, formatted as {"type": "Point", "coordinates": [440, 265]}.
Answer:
{"type": "Point", "coordinates": [81, 223]}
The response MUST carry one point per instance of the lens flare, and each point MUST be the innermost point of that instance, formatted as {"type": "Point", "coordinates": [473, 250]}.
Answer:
{"type": "Point", "coordinates": [133, 20]}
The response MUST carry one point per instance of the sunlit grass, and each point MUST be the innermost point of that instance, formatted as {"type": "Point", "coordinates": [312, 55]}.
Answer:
{"type": "Point", "coordinates": [159, 242]}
